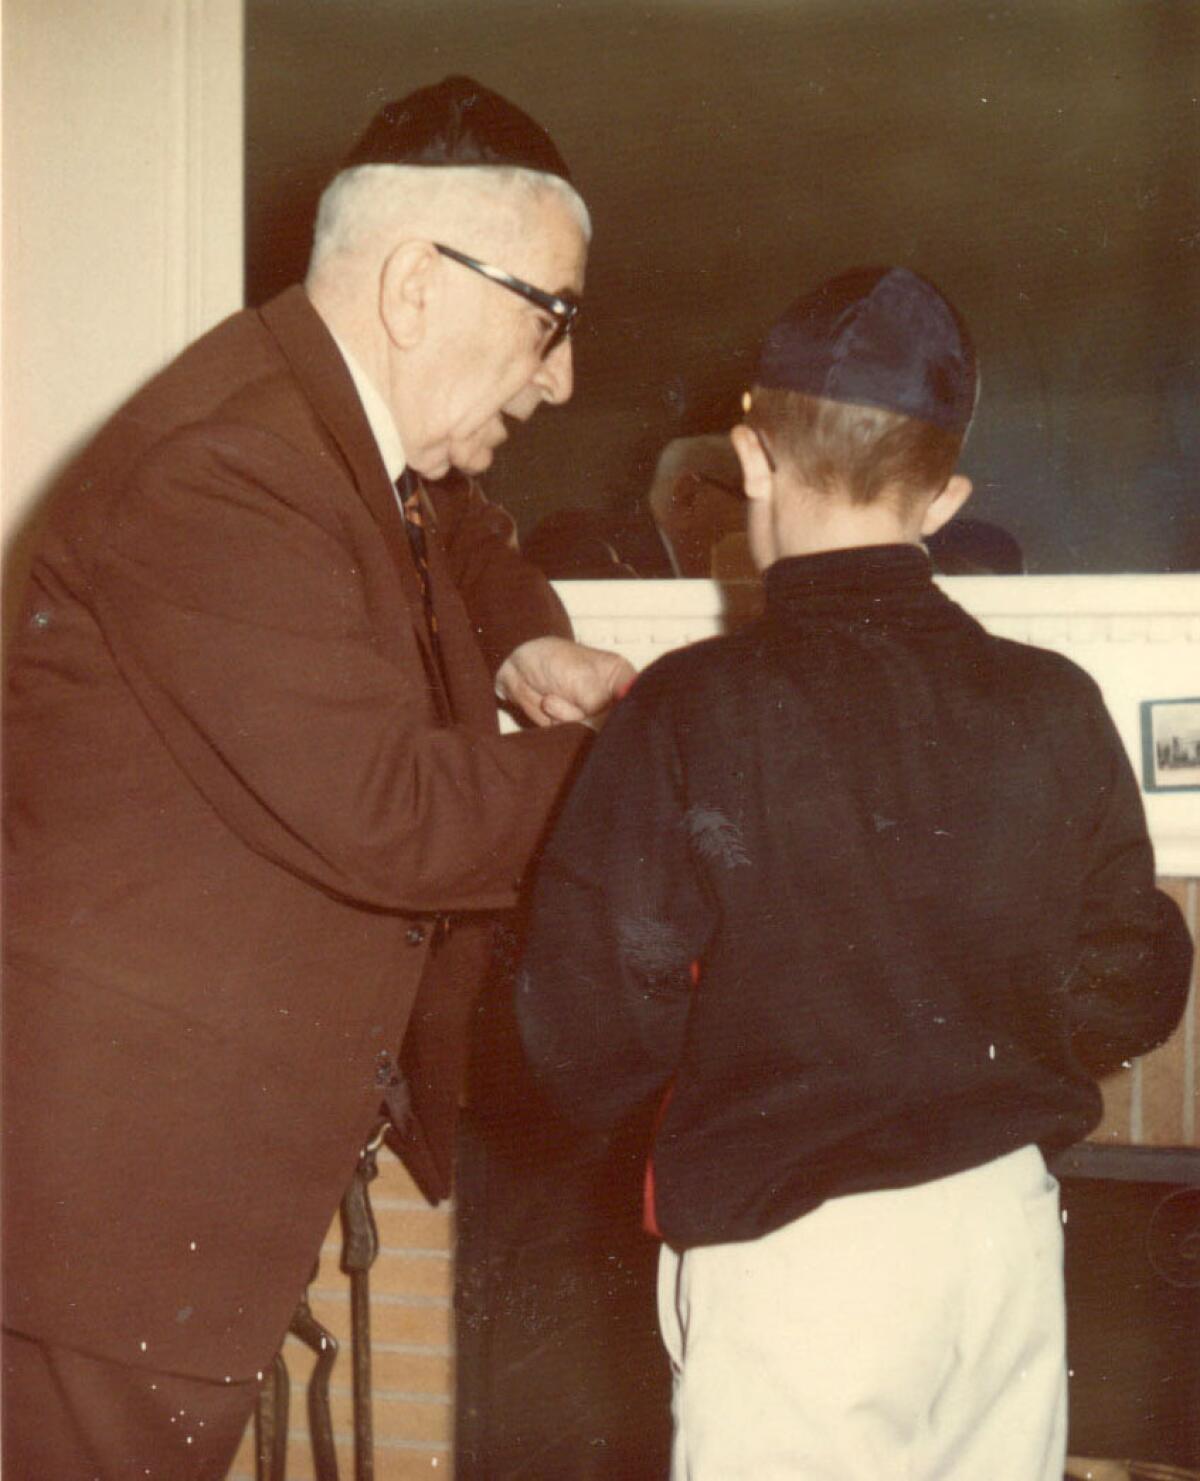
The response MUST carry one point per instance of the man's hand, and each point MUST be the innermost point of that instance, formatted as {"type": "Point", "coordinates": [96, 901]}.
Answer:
{"type": "Point", "coordinates": [553, 679]}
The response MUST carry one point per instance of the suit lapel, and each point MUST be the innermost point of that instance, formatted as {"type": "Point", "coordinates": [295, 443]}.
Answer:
{"type": "Point", "coordinates": [318, 368]}
{"type": "Point", "coordinates": [465, 674]}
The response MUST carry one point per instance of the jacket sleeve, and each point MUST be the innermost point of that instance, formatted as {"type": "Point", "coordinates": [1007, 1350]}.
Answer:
{"type": "Point", "coordinates": [1130, 983]}
{"type": "Point", "coordinates": [618, 918]}
{"type": "Point", "coordinates": [227, 589]}
{"type": "Point", "coordinates": [507, 598]}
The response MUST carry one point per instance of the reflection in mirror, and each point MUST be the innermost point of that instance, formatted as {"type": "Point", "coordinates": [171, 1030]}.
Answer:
{"type": "Point", "coordinates": [1038, 160]}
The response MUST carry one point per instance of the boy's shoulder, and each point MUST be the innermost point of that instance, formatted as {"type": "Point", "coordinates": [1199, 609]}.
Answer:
{"type": "Point", "coordinates": [697, 680]}
{"type": "Point", "coordinates": [1050, 675]}
{"type": "Point", "coordinates": [1046, 694]}
{"type": "Point", "coordinates": [701, 668]}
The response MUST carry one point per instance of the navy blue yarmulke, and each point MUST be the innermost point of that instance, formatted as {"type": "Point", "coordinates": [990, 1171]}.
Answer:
{"type": "Point", "coordinates": [876, 336]}
{"type": "Point", "coordinates": [457, 121]}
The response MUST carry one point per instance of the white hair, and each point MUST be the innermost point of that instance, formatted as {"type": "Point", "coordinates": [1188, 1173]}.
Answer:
{"type": "Point", "coordinates": [473, 204]}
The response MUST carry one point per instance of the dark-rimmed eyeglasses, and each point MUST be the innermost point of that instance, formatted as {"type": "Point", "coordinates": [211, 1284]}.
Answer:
{"type": "Point", "coordinates": [562, 310]}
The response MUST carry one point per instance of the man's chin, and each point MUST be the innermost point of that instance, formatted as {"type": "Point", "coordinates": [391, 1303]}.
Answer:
{"type": "Point", "coordinates": [471, 460]}
{"type": "Point", "coordinates": [477, 457]}
{"type": "Point", "coordinates": [472, 464]}
{"type": "Point", "coordinates": [432, 468]}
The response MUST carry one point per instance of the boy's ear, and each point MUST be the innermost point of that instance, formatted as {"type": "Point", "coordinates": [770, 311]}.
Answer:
{"type": "Point", "coordinates": [942, 508]}
{"type": "Point", "coordinates": [757, 477]}
{"type": "Point", "coordinates": [404, 288]}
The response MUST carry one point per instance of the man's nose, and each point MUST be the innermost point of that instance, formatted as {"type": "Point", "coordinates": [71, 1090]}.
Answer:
{"type": "Point", "coordinates": [555, 376]}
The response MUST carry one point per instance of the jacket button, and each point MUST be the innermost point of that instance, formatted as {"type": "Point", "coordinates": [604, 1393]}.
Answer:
{"type": "Point", "coordinates": [385, 1070]}
{"type": "Point", "coordinates": [415, 935]}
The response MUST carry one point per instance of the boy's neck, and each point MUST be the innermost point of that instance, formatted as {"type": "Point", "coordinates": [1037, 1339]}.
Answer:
{"type": "Point", "coordinates": [821, 526]}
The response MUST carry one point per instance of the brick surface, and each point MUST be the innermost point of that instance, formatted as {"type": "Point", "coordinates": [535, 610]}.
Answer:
{"type": "Point", "coordinates": [391, 1463]}
{"type": "Point", "coordinates": [1168, 1072]}
{"type": "Point", "coordinates": [411, 1340]}
{"type": "Point", "coordinates": [398, 1274]}
{"type": "Point", "coordinates": [406, 1372]}
{"type": "Point", "coordinates": [1162, 1091]}
{"type": "Point", "coordinates": [394, 1319]}
{"type": "Point", "coordinates": [403, 1227]}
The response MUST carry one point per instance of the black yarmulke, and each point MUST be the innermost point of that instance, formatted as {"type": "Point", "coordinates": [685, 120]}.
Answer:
{"type": "Point", "coordinates": [880, 336]}
{"type": "Point", "coordinates": [456, 122]}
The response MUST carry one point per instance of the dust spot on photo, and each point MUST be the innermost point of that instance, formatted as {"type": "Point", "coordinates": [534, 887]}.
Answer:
{"type": "Point", "coordinates": [651, 947]}
{"type": "Point", "coordinates": [717, 838]}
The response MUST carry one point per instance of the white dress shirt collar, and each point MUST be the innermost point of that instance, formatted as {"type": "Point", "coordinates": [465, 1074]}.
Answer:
{"type": "Point", "coordinates": [379, 418]}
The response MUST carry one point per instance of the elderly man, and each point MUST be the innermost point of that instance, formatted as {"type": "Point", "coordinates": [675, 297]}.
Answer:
{"type": "Point", "coordinates": [258, 807]}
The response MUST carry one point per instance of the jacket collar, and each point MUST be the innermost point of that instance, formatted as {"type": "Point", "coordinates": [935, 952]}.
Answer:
{"type": "Point", "coordinates": [879, 585]}
{"type": "Point", "coordinates": [320, 370]}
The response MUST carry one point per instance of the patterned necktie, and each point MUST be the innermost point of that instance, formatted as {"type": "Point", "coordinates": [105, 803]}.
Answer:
{"type": "Point", "coordinates": [409, 493]}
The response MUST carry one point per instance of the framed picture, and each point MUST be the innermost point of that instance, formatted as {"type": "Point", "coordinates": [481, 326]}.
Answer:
{"type": "Point", "coordinates": [1171, 745]}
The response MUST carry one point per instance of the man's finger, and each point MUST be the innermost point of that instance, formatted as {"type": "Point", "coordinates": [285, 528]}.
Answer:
{"type": "Point", "coordinates": [559, 708]}
{"type": "Point", "coordinates": [527, 699]}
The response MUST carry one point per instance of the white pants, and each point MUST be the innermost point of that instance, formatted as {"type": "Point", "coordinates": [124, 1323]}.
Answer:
{"type": "Point", "coordinates": [908, 1335]}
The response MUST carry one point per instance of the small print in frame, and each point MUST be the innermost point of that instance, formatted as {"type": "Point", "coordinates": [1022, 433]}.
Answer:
{"type": "Point", "coordinates": [1171, 745]}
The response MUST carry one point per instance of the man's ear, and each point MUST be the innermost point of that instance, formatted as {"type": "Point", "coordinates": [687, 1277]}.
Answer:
{"type": "Point", "coordinates": [405, 285]}
{"type": "Point", "coordinates": [757, 476]}
{"type": "Point", "coordinates": [942, 508]}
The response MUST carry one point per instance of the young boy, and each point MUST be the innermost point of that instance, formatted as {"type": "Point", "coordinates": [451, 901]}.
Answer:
{"type": "Point", "coordinates": [865, 896]}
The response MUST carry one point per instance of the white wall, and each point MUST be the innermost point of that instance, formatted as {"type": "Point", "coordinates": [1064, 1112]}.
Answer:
{"type": "Point", "coordinates": [122, 207]}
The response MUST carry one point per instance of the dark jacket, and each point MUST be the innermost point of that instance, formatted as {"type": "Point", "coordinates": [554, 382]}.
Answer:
{"type": "Point", "coordinates": [911, 863]}
{"type": "Point", "coordinates": [239, 796]}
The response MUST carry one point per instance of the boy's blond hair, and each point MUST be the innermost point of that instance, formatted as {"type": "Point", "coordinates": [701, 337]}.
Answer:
{"type": "Point", "coordinates": [855, 450]}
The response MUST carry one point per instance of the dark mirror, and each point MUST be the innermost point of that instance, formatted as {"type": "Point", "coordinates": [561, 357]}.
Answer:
{"type": "Point", "coordinates": [1040, 161]}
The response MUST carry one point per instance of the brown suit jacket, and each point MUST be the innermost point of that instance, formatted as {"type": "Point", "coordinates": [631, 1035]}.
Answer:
{"type": "Point", "coordinates": [239, 796]}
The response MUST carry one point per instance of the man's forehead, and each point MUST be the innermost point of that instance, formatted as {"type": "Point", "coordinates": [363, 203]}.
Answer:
{"type": "Point", "coordinates": [554, 249]}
